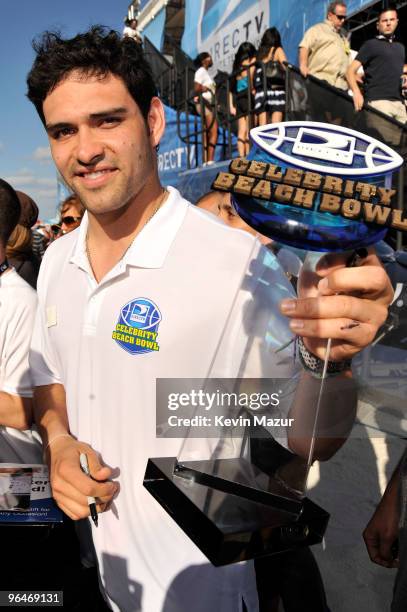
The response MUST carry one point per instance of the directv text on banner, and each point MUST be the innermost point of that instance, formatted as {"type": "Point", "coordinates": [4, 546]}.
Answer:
{"type": "Point", "coordinates": [172, 156]}
{"type": "Point", "coordinates": [222, 25]}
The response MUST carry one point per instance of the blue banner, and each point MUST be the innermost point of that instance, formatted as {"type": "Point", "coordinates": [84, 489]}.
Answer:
{"type": "Point", "coordinates": [172, 156]}
{"type": "Point", "coordinates": [143, 4]}
{"type": "Point", "coordinates": [155, 30]}
{"type": "Point", "coordinates": [220, 26]}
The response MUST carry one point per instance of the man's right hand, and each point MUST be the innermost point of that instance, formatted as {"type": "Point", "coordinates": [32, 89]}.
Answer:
{"type": "Point", "coordinates": [358, 100]}
{"type": "Point", "coordinates": [304, 71]}
{"type": "Point", "coordinates": [381, 532]}
{"type": "Point", "coordinates": [70, 486]}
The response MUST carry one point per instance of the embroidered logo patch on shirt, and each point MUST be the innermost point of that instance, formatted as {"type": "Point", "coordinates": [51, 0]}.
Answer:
{"type": "Point", "coordinates": [137, 327]}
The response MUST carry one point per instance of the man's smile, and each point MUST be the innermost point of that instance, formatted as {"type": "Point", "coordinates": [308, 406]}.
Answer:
{"type": "Point", "coordinates": [95, 178]}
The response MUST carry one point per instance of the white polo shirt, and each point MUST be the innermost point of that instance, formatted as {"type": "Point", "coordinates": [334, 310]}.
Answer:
{"type": "Point", "coordinates": [18, 303]}
{"type": "Point", "coordinates": [182, 276]}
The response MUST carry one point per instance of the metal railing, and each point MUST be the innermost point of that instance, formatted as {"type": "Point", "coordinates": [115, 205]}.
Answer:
{"type": "Point", "coordinates": [163, 72]}
{"type": "Point", "coordinates": [193, 105]}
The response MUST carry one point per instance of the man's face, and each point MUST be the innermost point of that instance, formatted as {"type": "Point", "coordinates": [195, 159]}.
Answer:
{"type": "Point", "coordinates": [387, 23]}
{"type": "Point", "coordinates": [338, 17]}
{"type": "Point", "coordinates": [99, 141]}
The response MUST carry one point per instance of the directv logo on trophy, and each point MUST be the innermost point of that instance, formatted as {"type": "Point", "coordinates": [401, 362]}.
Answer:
{"type": "Point", "coordinates": [315, 186]}
{"type": "Point", "coordinates": [322, 145]}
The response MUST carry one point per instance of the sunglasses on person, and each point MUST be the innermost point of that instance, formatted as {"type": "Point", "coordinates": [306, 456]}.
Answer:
{"type": "Point", "coordinates": [341, 17]}
{"type": "Point", "coordinates": [70, 220]}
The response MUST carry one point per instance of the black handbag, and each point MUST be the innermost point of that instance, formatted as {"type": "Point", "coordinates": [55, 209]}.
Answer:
{"type": "Point", "coordinates": [274, 71]}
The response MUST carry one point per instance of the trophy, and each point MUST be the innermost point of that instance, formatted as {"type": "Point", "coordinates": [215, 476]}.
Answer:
{"type": "Point", "coordinates": [238, 484]}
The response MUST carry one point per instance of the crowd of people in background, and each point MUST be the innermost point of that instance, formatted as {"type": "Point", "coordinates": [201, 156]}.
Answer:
{"type": "Point", "coordinates": [256, 91]}
{"type": "Point", "coordinates": [375, 76]}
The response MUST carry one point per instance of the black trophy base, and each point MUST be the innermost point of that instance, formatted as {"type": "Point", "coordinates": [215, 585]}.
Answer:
{"type": "Point", "coordinates": [229, 527]}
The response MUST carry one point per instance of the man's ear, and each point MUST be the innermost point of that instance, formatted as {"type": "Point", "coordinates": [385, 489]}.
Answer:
{"type": "Point", "coordinates": [156, 121]}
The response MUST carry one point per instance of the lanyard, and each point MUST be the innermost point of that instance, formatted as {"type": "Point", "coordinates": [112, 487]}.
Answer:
{"type": "Point", "coordinates": [4, 266]}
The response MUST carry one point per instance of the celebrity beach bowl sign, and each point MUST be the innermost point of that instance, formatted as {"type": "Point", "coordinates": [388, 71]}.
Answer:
{"type": "Point", "coordinates": [315, 186]}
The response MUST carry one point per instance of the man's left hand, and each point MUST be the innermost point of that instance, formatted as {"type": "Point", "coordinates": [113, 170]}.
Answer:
{"type": "Point", "coordinates": [347, 304]}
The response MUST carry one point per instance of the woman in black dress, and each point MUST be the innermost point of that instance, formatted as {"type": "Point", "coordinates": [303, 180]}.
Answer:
{"type": "Point", "coordinates": [241, 93]}
{"type": "Point", "coordinates": [269, 79]}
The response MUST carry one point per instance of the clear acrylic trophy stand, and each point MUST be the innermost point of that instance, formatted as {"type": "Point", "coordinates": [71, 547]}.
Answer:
{"type": "Point", "coordinates": [240, 493]}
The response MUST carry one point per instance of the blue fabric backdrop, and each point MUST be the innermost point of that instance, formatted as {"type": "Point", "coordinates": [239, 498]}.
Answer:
{"type": "Point", "coordinates": [155, 30]}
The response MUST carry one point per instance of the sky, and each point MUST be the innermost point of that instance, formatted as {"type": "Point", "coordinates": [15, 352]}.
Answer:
{"type": "Point", "coordinates": [25, 161]}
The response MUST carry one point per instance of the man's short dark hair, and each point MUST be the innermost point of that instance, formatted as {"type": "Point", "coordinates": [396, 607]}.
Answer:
{"type": "Point", "coordinates": [390, 6]}
{"type": "Point", "coordinates": [9, 211]}
{"type": "Point", "coordinates": [332, 6]}
{"type": "Point", "coordinates": [97, 52]}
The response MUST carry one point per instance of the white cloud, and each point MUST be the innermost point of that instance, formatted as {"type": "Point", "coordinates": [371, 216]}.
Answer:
{"type": "Point", "coordinates": [26, 178]}
{"type": "Point", "coordinates": [46, 193]}
{"type": "Point", "coordinates": [42, 154]}
{"type": "Point", "coordinates": [42, 189]}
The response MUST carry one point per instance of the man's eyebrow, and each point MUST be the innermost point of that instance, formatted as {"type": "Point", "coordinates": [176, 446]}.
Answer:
{"type": "Point", "coordinates": [51, 127]}
{"type": "Point", "coordinates": [121, 110]}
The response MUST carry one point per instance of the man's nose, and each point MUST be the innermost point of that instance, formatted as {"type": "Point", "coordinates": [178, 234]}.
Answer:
{"type": "Point", "coordinates": [90, 149]}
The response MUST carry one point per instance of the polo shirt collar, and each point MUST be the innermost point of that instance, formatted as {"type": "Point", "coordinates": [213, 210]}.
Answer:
{"type": "Point", "coordinates": [151, 245]}
{"type": "Point", "coordinates": [331, 26]}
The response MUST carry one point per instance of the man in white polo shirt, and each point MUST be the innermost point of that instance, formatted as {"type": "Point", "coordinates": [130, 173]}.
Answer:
{"type": "Point", "coordinates": [143, 290]}
{"type": "Point", "coordinates": [18, 304]}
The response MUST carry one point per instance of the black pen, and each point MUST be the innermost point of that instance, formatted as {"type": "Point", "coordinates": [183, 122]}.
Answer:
{"type": "Point", "coordinates": [83, 460]}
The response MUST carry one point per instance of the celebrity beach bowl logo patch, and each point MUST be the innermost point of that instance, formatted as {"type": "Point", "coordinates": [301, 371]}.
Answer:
{"type": "Point", "coordinates": [315, 186]}
{"type": "Point", "coordinates": [137, 326]}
